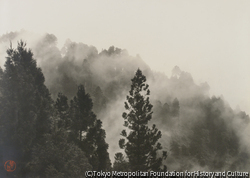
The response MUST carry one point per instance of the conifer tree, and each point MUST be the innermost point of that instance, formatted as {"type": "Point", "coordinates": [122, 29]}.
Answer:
{"type": "Point", "coordinates": [97, 147]}
{"type": "Point", "coordinates": [26, 105]}
{"type": "Point", "coordinates": [87, 132]}
{"type": "Point", "coordinates": [81, 113]}
{"type": "Point", "coordinates": [142, 143]}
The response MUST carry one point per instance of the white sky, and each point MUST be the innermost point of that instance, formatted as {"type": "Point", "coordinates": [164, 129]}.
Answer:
{"type": "Point", "coordinates": [208, 38]}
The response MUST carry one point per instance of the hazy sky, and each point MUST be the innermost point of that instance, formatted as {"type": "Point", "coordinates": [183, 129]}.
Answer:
{"type": "Point", "coordinates": [208, 38]}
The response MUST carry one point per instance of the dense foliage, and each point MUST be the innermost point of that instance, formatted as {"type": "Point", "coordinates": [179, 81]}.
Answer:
{"type": "Point", "coordinates": [43, 138]}
{"type": "Point", "coordinates": [26, 106]}
{"type": "Point", "coordinates": [199, 131]}
{"type": "Point", "coordinates": [141, 144]}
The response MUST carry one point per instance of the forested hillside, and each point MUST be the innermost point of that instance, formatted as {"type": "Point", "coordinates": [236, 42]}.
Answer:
{"type": "Point", "coordinates": [73, 98]}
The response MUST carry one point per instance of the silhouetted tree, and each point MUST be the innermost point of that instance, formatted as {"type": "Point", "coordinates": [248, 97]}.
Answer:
{"type": "Point", "coordinates": [87, 132]}
{"type": "Point", "coordinates": [25, 114]}
{"type": "Point", "coordinates": [142, 143]}
{"type": "Point", "coordinates": [81, 113]}
{"type": "Point", "coordinates": [97, 147]}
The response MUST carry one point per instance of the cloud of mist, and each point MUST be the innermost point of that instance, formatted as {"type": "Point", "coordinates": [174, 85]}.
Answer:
{"type": "Point", "coordinates": [112, 70]}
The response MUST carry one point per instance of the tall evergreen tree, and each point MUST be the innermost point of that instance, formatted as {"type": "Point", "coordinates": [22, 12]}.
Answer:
{"type": "Point", "coordinates": [87, 132]}
{"type": "Point", "coordinates": [81, 113]}
{"type": "Point", "coordinates": [142, 143]}
{"type": "Point", "coordinates": [26, 105]}
{"type": "Point", "coordinates": [97, 147]}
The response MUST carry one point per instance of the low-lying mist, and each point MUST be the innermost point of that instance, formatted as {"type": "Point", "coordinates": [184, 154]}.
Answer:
{"type": "Point", "coordinates": [199, 131]}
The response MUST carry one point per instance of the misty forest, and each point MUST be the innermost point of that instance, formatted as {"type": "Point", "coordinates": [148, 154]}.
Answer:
{"type": "Point", "coordinates": [70, 110]}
